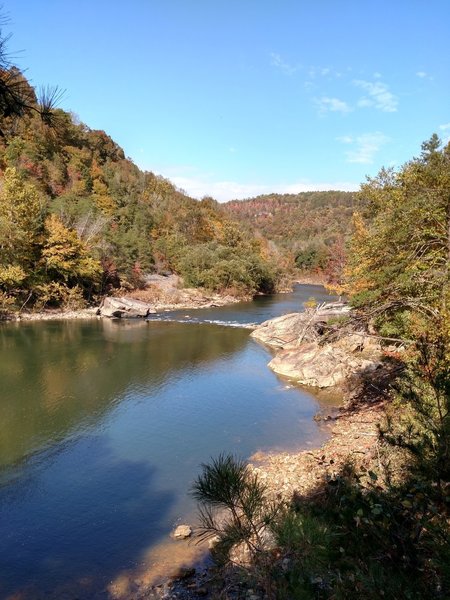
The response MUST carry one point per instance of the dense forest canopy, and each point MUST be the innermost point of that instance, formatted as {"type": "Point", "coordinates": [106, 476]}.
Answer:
{"type": "Point", "coordinates": [309, 228]}
{"type": "Point", "coordinates": [77, 217]}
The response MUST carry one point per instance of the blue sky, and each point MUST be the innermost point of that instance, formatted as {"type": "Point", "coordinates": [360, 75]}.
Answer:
{"type": "Point", "coordinates": [232, 98]}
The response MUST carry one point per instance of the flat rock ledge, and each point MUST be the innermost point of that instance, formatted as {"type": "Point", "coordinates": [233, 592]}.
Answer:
{"type": "Point", "coordinates": [303, 356]}
{"type": "Point", "coordinates": [296, 328]}
{"type": "Point", "coordinates": [324, 366]}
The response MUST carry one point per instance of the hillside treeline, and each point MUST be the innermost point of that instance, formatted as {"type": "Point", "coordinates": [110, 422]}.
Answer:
{"type": "Point", "coordinates": [78, 218]}
{"type": "Point", "coordinates": [309, 228]}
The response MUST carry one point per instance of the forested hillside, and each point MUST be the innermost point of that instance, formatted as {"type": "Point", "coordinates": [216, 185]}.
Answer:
{"type": "Point", "coordinates": [310, 227]}
{"type": "Point", "coordinates": [77, 218]}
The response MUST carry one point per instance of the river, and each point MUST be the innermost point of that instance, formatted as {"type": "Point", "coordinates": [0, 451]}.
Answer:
{"type": "Point", "coordinates": [104, 425]}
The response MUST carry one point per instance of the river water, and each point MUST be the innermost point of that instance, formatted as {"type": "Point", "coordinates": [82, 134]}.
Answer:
{"type": "Point", "coordinates": [103, 427]}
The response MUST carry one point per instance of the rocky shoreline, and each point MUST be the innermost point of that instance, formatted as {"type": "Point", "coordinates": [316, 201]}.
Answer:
{"type": "Point", "coordinates": [353, 438]}
{"type": "Point", "coordinates": [355, 367]}
{"type": "Point", "coordinates": [308, 354]}
{"type": "Point", "coordinates": [349, 364]}
{"type": "Point", "coordinates": [161, 296]}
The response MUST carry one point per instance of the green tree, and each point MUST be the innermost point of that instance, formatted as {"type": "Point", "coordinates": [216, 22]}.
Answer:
{"type": "Point", "coordinates": [399, 262]}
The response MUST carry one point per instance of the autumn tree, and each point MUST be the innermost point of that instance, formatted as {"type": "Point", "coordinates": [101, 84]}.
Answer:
{"type": "Point", "coordinates": [65, 256]}
{"type": "Point", "coordinates": [21, 227]}
{"type": "Point", "coordinates": [399, 260]}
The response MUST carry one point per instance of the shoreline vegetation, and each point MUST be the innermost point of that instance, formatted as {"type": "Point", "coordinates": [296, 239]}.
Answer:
{"type": "Point", "coordinates": [161, 294]}
{"type": "Point", "coordinates": [191, 301]}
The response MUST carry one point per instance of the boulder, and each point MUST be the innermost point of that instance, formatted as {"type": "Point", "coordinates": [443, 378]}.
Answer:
{"type": "Point", "coordinates": [182, 532]}
{"type": "Point", "coordinates": [286, 330]}
{"type": "Point", "coordinates": [296, 328]}
{"type": "Point", "coordinates": [120, 308]}
{"type": "Point", "coordinates": [323, 366]}
{"type": "Point", "coordinates": [302, 357]}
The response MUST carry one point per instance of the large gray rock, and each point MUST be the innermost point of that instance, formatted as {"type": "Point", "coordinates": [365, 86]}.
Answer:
{"type": "Point", "coordinates": [286, 330]}
{"type": "Point", "coordinates": [119, 308]}
{"type": "Point", "coordinates": [296, 328]}
{"type": "Point", "coordinates": [302, 357]}
{"type": "Point", "coordinates": [321, 366]}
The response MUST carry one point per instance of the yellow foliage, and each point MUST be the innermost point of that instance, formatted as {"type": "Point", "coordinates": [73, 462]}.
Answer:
{"type": "Point", "coordinates": [12, 276]}
{"type": "Point", "coordinates": [6, 303]}
{"type": "Point", "coordinates": [20, 218]}
{"type": "Point", "coordinates": [65, 254]}
{"type": "Point", "coordinates": [54, 293]}
{"type": "Point", "coordinates": [102, 199]}
{"type": "Point", "coordinates": [358, 265]}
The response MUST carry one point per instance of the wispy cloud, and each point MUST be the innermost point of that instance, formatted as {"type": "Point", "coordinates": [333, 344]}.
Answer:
{"type": "Point", "coordinates": [445, 128]}
{"type": "Point", "coordinates": [378, 96]}
{"type": "Point", "coordinates": [326, 104]}
{"type": "Point", "coordinates": [199, 187]}
{"type": "Point", "coordinates": [363, 147]}
{"type": "Point", "coordinates": [282, 65]}
{"type": "Point", "coordinates": [424, 75]}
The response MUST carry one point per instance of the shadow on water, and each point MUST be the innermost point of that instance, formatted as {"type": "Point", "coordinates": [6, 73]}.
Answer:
{"type": "Point", "coordinates": [106, 533]}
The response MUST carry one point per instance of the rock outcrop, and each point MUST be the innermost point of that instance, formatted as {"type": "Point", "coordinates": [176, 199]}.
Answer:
{"type": "Point", "coordinates": [286, 330]}
{"type": "Point", "coordinates": [320, 366]}
{"type": "Point", "coordinates": [295, 328]}
{"type": "Point", "coordinates": [302, 354]}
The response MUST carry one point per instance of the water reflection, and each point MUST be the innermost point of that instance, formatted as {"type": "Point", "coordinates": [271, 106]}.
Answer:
{"type": "Point", "coordinates": [103, 428]}
{"type": "Point", "coordinates": [56, 375]}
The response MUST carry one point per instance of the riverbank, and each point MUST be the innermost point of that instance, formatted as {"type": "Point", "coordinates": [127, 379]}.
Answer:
{"type": "Point", "coordinates": [311, 279]}
{"type": "Point", "coordinates": [354, 438]}
{"type": "Point", "coordinates": [288, 476]}
{"type": "Point", "coordinates": [303, 476]}
{"type": "Point", "coordinates": [155, 302]}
